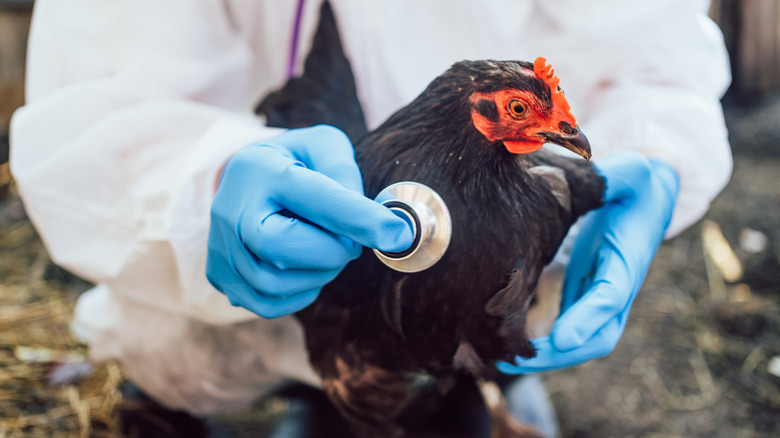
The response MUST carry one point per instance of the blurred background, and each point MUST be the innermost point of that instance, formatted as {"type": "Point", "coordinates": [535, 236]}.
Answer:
{"type": "Point", "coordinates": [701, 352]}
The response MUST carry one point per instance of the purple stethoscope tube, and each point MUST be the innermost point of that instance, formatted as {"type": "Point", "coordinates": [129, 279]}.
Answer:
{"type": "Point", "coordinates": [294, 39]}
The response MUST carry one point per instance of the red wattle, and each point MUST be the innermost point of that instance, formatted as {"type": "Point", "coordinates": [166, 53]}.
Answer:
{"type": "Point", "coordinates": [522, 147]}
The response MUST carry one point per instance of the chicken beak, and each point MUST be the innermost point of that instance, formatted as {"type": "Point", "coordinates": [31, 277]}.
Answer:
{"type": "Point", "coordinates": [572, 139]}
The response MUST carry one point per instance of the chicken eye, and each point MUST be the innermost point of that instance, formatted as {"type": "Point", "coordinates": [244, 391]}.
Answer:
{"type": "Point", "coordinates": [517, 108]}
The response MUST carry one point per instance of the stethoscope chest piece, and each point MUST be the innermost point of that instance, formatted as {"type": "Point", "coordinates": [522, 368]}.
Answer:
{"type": "Point", "coordinates": [430, 220]}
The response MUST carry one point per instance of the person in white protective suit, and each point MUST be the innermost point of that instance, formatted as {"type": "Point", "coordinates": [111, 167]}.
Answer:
{"type": "Point", "coordinates": [134, 107]}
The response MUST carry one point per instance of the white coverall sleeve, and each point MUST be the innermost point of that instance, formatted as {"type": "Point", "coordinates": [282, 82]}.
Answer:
{"type": "Point", "coordinates": [650, 76]}
{"type": "Point", "coordinates": [131, 110]}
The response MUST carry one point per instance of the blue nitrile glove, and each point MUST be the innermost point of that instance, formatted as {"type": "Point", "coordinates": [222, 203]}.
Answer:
{"type": "Point", "coordinates": [609, 261]}
{"type": "Point", "coordinates": [288, 215]}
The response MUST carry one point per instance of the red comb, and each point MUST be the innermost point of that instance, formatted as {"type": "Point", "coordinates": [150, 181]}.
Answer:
{"type": "Point", "coordinates": [547, 74]}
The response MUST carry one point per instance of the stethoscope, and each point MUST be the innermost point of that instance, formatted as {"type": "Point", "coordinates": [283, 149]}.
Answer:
{"type": "Point", "coordinates": [417, 204]}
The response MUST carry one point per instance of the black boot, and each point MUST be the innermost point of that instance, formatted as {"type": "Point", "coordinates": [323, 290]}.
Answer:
{"type": "Point", "coordinates": [142, 417]}
{"type": "Point", "coordinates": [310, 415]}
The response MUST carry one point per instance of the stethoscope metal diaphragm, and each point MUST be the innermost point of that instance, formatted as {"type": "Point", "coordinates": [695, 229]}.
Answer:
{"type": "Point", "coordinates": [430, 220]}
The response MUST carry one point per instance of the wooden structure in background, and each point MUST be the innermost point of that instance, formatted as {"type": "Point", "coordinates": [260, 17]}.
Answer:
{"type": "Point", "coordinates": [14, 27]}
{"type": "Point", "coordinates": [752, 32]}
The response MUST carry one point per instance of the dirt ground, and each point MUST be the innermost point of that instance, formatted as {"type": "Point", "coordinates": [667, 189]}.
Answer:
{"type": "Point", "coordinates": [694, 360]}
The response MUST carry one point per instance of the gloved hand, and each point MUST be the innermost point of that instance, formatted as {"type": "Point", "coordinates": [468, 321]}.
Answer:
{"type": "Point", "coordinates": [609, 262]}
{"type": "Point", "coordinates": [288, 215]}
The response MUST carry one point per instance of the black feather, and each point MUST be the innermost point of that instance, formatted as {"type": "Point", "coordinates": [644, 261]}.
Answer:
{"type": "Point", "coordinates": [488, 109]}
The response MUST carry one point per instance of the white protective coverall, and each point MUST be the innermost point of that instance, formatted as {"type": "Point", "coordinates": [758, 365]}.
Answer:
{"type": "Point", "coordinates": [134, 105]}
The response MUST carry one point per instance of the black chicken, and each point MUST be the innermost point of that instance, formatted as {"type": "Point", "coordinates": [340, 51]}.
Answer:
{"type": "Point", "coordinates": [472, 136]}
